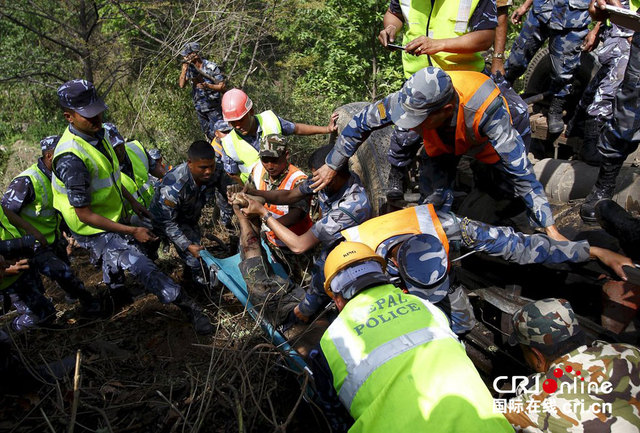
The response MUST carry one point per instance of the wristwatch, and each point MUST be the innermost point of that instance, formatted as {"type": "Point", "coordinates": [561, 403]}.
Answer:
{"type": "Point", "coordinates": [266, 217]}
{"type": "Point", "coordinates": [498, 56]}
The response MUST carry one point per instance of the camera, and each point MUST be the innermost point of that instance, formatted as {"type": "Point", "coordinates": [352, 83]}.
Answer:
{"type": "Point", "coordinates": [19, 248]}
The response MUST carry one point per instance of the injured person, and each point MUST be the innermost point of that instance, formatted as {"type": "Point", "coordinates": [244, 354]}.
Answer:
{"type": "Point", "coordinates": [273, 296]}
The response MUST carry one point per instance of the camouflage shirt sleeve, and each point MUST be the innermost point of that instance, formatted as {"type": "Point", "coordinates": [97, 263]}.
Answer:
{"type": "Point", "coordinates": [165, 214]}
{"type": "Point", "coordinates": [287, 126]}
{"type": "Point", "coordinates": [230, 166]}
{"type": "Point", "coordinates": [484, 17]}
{"type": "Point", "coordinates": [513, 246]}
{"type": "Point", "coordinates": [370, 118]}
{"type": "Point", "coordinates": [303, 204]}
{"type": "Point", "coordinates": [19, 193]}
{"type": "Point", "coordinates": [394, 7]}
{"type": "Point", "coordinates": [506, 141]}
{"type": "Point", "coordinates": [72, 172]}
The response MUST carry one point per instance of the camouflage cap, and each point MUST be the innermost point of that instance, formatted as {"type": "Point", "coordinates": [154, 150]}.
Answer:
{"type": "Point", "coordinates": [190, 47]}
{"type": "Point", "coordinates": [112, 134]}
{"type": "Point", "coordinates": [155, 154]}
{"type": "Point", "coordinates": [49, 143]}
{"type": "Point", "coordinates": [273, 146]}
{"type": "Point", "coordinates": [544, 322]}
{"type": "Point", "coordinates": [426, 91]}
{"type": "Point", "coordinates": [423, 265]}
{"type": "Point", "coordinates": [223, 126]}
{"type": "Point", "coordinates": [81, 97]}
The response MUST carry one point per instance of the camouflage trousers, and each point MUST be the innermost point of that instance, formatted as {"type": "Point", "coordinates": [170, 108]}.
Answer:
{"type": "Point", "coordinates": [117, 253]}
{"type": "Point", "coordinates": [621, 134]}
{"type": "Point", "coordinates": [27, 297]}
{"type": "Point", "coordinates": [193, 234]}
{"type": "Point", "coordinates": [272, 296]}
{"type": "Point", "coordinates": [54, 264]}
{"type": "Point", "coordinates": [207, 120]}
{"type": "Point", "coordinates": [315, 298]}
{"type": "Point", "coordinates": [564, 49]}
{"type": "Point", "coordinates": [597, 99]}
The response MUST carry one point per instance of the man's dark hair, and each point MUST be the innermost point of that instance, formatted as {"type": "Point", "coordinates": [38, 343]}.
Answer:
{"type": "Point", "coordinates": [318, 157]}
{"type": "Point", "coordinates": [554, 351]}
{"type": "Point", "coordinates": [200, 149]}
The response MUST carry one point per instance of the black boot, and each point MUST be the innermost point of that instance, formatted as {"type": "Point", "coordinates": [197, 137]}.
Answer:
{"type": "Point", "coordinates": [554, 117]}
{"type": "Point", "coordinates": [589, 151]}
{"type": "Point", "coordinates": [621, 225]}
{"type": "Point", "coordinates": [604, 187]}
{"type": "Point", "coordinates": [194, 312]}
{"type": "Point", "coordinates": [395, 187]}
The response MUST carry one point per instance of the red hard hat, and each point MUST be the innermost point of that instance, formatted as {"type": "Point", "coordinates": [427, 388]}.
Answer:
{"type": "Point", "coordinates": [235, 105]}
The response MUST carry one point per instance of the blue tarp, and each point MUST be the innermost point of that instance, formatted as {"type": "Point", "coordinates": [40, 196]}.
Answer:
{"type": "Point", "coordinates": [228, 273]}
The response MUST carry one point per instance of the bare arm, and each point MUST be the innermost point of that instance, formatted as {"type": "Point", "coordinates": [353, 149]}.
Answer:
{"type": "Point", "coordinates": [304, 129]}
{"type": "Point", "coordinates": [140, 210]}
{"type": "Point", "coordinates": [284, 196]}
{"type": "Point", "coordinates": [297, 243]}
{"type": "Point", "coordinates": [391, 24]}
{"type": "Point", "coordinates": [500, 40]}
{"type": "Point", "coordinates": [292, 217]}
{"type": "Point", "coordinates": [472, 42]}
{"type": "Point", "coordinates": [89, 217]}
{"type": "Point", "coordinates": [516, 16]}
{"type": "Point", "coordinates": [21, 223]}
{"type": "Point", "coordinates": [183, 75]}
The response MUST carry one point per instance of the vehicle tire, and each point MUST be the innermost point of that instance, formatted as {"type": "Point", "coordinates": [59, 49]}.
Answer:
{"type": "Point", "coordinates": [370, 161]}
{"type": "Point", "coordinates": [536, 77]}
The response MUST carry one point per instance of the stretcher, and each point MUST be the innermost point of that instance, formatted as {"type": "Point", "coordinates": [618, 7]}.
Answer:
{"type": "Point", "coordinates": [227, 272]}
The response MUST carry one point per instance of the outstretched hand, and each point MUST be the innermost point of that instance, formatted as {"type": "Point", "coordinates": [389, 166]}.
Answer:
{"type": "Point", "coordinates": [423, 45]}
{"type": "Point", "coordinates": [612, 259]}
{"type": "Point", "coordinates": [333, 123]}
{"type": "Point", "coordinates": [387, 35]}
{"type": "Point", "coordinates": [322, 177]}
{"type": "Point", "coordinates": [252, 207]}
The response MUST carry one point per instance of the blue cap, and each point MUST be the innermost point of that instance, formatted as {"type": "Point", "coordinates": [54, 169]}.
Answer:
{"type": "Point", "coordinates": [423, 264]}
{"type": "Point", "coordinates": [190, 47]}
{"type": "Point", "coordinates": [49, 143]}
{"type": "Point", "coordinates": [223, 126]}
{"type": "Point", "coordinates": [424, 92]}
{"type": "Point", "coordinates": [112, 134]}
{"type": "Point", "coordinates": [81, 97]}
{"type": "Point", "coordinates": [155, 154]}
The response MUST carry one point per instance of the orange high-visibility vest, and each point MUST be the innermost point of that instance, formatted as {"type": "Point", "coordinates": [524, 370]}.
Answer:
{"type": "Point", "coordinates": [411, 220]}
{"type": "Point", "coordinates": [476, 92]}
{"type": "Point", "coordinates": [294, 174]}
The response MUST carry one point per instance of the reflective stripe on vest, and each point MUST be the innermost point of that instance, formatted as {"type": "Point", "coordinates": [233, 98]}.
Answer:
{"type": "Point", "coordinates": [293, 175]}
{"type": "Point", "coordinates": [412, 220]}
{"type": "Point", "coordinates": [476, 92]}
{"type": "Point", "coordinates": [243, 153]}
{"type": "Point", "coordinates": [445, 19]}
{"type": "Point", "coordinates": [40, 212]}
{"type": "Point", "coordinates": [144, 190]}
{"type": "Point", "coordinates": [355, 348]}
{"type": "Point", "coordinates": [105, 184]}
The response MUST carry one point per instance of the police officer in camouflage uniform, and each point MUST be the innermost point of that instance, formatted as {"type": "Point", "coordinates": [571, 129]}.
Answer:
{"type": "Point", "coordinates": [417, 253]}
{"type": "Point", "coordinates": [432, 105]}
{"type": "Point", "coordinates": [23, 286]}
{"type": "Point", "coordinates": [28, 205]}
{"type": "Point", "coordinates": [621, 134]}
{"type": "Point", "coordinates": [597, 384]}
{"type": "Point", "coordinates": [177, 205]}
{"type": "Point", "coordinates": [207, 86]}
{"type": "Point", "coordinates": [597, 99]}
{"type": "Point", "coordinates": [344, 203]}
{"type": "Point", "coordinates": [564, 23]}
{"type": "Point", "coordinates": [87, 192]}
